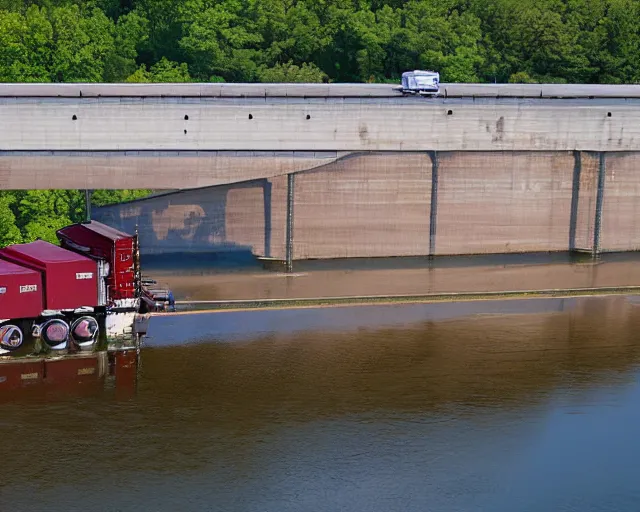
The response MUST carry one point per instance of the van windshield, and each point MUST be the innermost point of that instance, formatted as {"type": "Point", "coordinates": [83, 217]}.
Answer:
{"type": "Point", "coordinates": [425, 80]}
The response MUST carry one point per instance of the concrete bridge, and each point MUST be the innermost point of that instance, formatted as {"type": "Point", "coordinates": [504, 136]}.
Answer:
{"type": "Point", "coordinates": [321, 171]}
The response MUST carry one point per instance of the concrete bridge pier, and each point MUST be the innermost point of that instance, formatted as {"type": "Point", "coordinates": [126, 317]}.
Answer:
{"type": "Point", "coordinates": [266, 199]}
{"type": "Point", "coordinates": [587, 202]}
{"type": "Point", "coordinates": [602, 171]}
{"type": "Point", "coordinates": [433, 213]}
{"type": "Point", "coordinates": [289, 230]}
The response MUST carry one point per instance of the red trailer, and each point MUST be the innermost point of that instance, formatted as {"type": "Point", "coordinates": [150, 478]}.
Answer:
{"type": "Point", "coordinates": [70, 279]}
{"type": "Point", "coordinates": [20, 291]}
{"type": "Point", "coordinates": [103, 242]}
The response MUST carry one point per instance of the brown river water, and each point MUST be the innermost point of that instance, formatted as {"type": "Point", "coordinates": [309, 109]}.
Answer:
{"type": "Point", "coordinates": [446, 407]}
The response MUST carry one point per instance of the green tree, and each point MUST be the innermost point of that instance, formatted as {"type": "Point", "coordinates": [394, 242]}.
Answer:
{"type": "Point", "coordinates": [25, 46]}
{"type": "Point", "coordinates": [166, 20]}
{"type": "Point", "coordinates": [164, 71]}
{"type": "Point", "coordinates": [81, 45]}
{"type": "Point", "coordinates": [44, 229]}
{"type": "Point", "coordinates": [521, 77]}
{"type": "Point", "coordinates": [105, 197]}
{"type": "Point", "coordinates": [9, 231]}
{"type": "Point", "coordinates": [41, 212]}
{"type": "Point", "coordinates": [223, 42]}
{"type": "Point", "coordinates": [131, 31]}
{"type": "Point", "coordinates": [291, 73]}
{"type": "Point", "coordinates": [614, 47]}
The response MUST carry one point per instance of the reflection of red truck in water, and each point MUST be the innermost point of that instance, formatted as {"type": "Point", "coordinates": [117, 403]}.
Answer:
{"type": "Point", "coordinates": [84, 295]}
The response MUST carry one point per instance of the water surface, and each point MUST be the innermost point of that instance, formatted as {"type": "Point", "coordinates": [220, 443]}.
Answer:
{"type": "Point", "coordinates": [534, 411]}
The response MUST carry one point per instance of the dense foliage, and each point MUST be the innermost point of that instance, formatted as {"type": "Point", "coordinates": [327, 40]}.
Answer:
{"type": "Point", "coordinates": [27, 215]}
{"type": "Point", "coordinates": [313, 40]}
{"type": "Point", "coordinates": [591, 41]}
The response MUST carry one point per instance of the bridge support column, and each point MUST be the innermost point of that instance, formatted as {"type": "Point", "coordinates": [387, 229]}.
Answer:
{"type": "Point", "coordinates": [575, 198]}
{"type": "Point", "coordinates": [433, 215]}
{"type": "Point", "coordinates": [289, 235]}
{"type": "Point", "coordinates": [597, 224]}
{"type": "Point", "coordinates": [266, 198]}
{"type": "Point", "coordinates": [87, 204]}
{"type": "Point", "coordinates": [587, 202]}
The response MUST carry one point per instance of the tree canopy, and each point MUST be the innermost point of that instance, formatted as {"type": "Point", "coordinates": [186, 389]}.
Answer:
{"type": "Point", "coordinates": [28, 215]}
{"type": "Point", "coordinates": [586, 41]}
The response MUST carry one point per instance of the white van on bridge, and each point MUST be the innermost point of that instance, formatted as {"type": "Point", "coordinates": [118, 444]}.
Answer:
{"type": "Point", "coordinates": [421, 82]}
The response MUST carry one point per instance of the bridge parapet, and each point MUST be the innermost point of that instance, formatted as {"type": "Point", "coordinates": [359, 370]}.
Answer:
{"type": "Point", "coordinates": [231, 90]}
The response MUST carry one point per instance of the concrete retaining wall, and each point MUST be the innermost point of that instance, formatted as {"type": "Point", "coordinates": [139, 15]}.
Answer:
{"type": "Point", "coordinates": [383, 204]}
{"type": "Point", "coordinates": [504, 202]}
{"type": "Point", "coordinates": [621, 203]}
{"type": "Point", "coordinates": [372, 205]}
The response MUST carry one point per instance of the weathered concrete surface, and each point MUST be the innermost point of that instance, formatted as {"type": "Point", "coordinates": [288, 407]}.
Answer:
{"type": "Point", "coordinates": [149, 169]}
{"type": "Point", "coordinates": [228, 217]}
{"type": "Point", "coordinates": [87, 135]}
{"type": "Point", "coordinates": [588, 164]}
{"type": "Point", "coordinates": [621, 206]}
{"type": "Point", "coordinates": [360, 124]}
{"type": "Point", "coordinates": [244, 217]}
{"type": "Point", "coordinates": [360, 206]}
{"type": "Point", "coordinates": [373, 205]}
{"type": "Point", "coordinates": [517, 166]}
{"type": "Point", "coordinates": [379, 204]}
{"type": "Point", "coordinates": [504, 202]}
{"type": "Point", "coordinates": [104, 136]}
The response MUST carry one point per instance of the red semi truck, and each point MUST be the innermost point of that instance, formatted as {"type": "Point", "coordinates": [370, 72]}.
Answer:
{"type": "Point", "coordinates": [71, 297]}
{"type": "Point", "coordinates": [58, 294]}
{"type": "Point", "coordinates": [20, 298]}
{"type": "Point", "coordinates": [106, 244]}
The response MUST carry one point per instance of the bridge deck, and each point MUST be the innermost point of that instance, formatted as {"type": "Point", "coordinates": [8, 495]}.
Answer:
{"type": "Point", "coordinates": [315, 90]}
